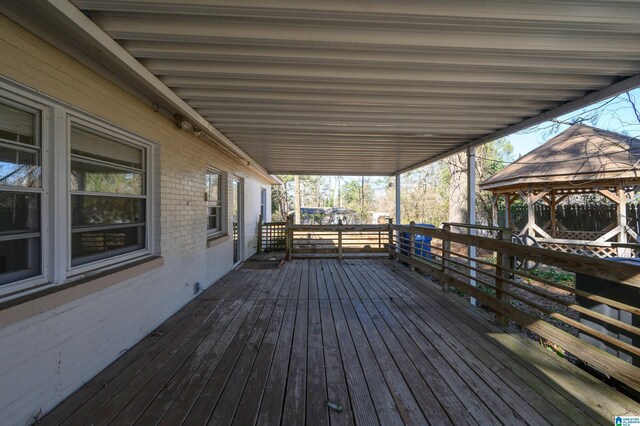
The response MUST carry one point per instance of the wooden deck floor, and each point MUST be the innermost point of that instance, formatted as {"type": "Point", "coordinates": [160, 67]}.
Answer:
{"type": "Point", "coordinates": [368, 336]}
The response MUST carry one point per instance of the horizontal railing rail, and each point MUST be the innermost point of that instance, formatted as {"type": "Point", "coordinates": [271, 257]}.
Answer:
{"type": "Point", "coordinates": [528, 299]}
{"type": "Point", "coordinates": [337, 240]}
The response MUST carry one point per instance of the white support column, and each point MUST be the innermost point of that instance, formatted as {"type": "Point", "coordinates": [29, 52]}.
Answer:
{"type": "Point", "coordinates": [471, 212]}
{"type": "Point", "coordinates": [398, 209]}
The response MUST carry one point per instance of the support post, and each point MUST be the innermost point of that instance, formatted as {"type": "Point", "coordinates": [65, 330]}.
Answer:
{"type": "Point", "coordinates": [554, 225]}
{"type": "Point", "coordinates": [507, 212]}
{"type": "Point", "coordinates": [398, 205]}
{"type": "Point", "coordinates": [390, 246]}
{"type": "Point", "coordinates": [446, 253]}
{"type": "Point", "coordinates": [531, 214]}
{"type": "Point", "coordinates": [502, 262]}
{"type": "Point", "coordinates": [494, 209]}
{"type": "Point", "coordinates": [398, 209]}
{"type": "Point", "coordinates": [412, 243]}
{"type": "Point", "coordinates": [622, 221]}
{"type": "Point", "coordinates": [340, 239]}
{"type": "Point", "coordinates": [289, 233]}
{"type": "Point", "coordinates": [471, 214]}
{"type": "Point", "coordinates": [260, 233]}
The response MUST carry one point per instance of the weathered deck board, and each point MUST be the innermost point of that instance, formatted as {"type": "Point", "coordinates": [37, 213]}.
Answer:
{"type": "Point", "coordinates": [368, 336]}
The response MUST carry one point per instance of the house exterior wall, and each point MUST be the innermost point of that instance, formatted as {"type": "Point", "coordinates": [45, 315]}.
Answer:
{"type": "Point", "coordinates": [52, 345]}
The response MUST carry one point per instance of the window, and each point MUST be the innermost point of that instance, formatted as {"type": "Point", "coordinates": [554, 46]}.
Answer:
{"type": "Point", "coordinates": [213, 198]}
{"type": "Point", "coordinates": [108, 196]}
{"type": "Point", "coordinates": [74, 198]}
{"type": "Point", "coordinates": [263, 204]}
{"type": "Point", "coordinates": [20, 192]}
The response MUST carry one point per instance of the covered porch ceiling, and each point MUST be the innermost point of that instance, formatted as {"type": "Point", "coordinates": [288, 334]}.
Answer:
{"type": "Point", "coordinates": [369, 87]}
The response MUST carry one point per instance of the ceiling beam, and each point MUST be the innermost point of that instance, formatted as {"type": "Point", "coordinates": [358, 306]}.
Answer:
{"type": "Point", "coordinates": [566, 12]}
{"type": "Point", "coordinates": [168, 67]}
{"type": "Point", "coordinates": [454, 33]}
{"type": "Point", "coordinates": [571, 62]}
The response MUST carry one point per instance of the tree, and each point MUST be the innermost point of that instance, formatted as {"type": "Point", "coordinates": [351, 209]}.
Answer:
{"type": "Point", "coordinates": [280, 198]}
{"type": "Point", "coordinates": [490, 158]}
{"type": "Point", "coordinates": [358, 195]}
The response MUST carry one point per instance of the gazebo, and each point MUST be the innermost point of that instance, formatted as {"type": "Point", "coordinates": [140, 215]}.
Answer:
{"type": "Point", "coordinates": [580, 160]}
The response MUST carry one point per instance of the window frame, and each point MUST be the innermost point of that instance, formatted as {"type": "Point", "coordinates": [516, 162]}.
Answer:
{"type": "Point", "coordinates": [19, 99]}
{"type": "Point", "coordinates": [125, 137]}
{"type": "Point", "coordinates": [55, 118]}
{"type": "Point", "coordinates": [222, 190]}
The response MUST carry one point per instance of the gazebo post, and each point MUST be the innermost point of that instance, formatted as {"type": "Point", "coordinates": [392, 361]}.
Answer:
{"type": "Point", "coordinates": [507, 211]}
{"type": "Point", "coordinates": [553, 213]}
{"type": "Point", "coordinates": [494, 209]}
{"type": "Point", "coordinates": [531, 214]}
{"type": "Point", "coordinates": [622, 220]}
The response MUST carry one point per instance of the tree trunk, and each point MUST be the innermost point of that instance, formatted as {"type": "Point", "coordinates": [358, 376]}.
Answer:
{"type": "Point", "coordinates": [296, 199]}
{"type": "Point", "coordinates": [458, 188]}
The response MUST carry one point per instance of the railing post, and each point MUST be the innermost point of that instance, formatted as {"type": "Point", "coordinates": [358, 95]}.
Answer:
{"type": "Point", "coordinates": [289, 237]}
{"type": "Point", "coordinates": [412, 243]}
{"type": "Point", "coordinates": [260, 233]}
{"type": "Point", "coordinates": [339, 240]}
{"type": "Point", "coordinates": [390, 238]}
{"type": "Point", "coordinates": [502, 262]}
{"type": "Point", "coordinates": [446, 253]}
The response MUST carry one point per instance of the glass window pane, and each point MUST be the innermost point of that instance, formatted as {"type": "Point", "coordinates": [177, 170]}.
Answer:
{"type": "Point", "coordinates": [19, 168]}
{"type": "Point", "coordinates": [17, 125]}
{"type": "Point", "coordinates": [91, 145]}
{"type": "Point", "coordinates": [19, 212]}
{"type": "Point", "coordinates": [213, 223]}
{"type": "Point", "coordinates": [19, 259]}
{"type": "Point", "coordinates": [93, 245]}
{"type": "Point", "coordinates": [87, 210]}
{"type": "Point", "coordinates": [213, 186]}
{"type": "Point", "coordinates": [213, 218]}
{"type": "Point", "coordinates": [91, 177]}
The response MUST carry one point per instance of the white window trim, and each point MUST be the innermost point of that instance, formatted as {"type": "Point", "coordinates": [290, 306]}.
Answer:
{"type": "Point", "coordinates": [224, 207]}
{"type": "Point", "coordinates": [56, 118]}
{"type": "Point", "coordinates": [20, 98]}
{"type": "Point", "coordinates": [125, 138]}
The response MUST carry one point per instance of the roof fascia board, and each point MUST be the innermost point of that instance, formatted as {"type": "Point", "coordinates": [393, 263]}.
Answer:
{"type": "Point", "coordinates": [593, 97]}
{"type": "Point", "coordinates": [111, 51]}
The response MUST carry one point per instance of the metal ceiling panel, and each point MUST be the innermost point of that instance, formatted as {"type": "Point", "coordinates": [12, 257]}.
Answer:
{"type": "Point", "coordinates": [376, 87]}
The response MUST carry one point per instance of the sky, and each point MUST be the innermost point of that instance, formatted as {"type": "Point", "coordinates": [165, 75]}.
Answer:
{"type": "Point", "coordinates": [617, 116]}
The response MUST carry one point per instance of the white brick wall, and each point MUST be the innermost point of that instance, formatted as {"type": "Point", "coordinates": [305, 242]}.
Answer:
{"type": "Point", "coordinates": [45, 357]}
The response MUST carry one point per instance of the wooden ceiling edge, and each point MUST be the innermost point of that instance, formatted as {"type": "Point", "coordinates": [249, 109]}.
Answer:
{"type": "Point", "coordinates": [622, 86]}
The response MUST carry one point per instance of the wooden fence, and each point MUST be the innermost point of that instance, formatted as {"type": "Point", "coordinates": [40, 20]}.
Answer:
{"type": "Point", "coordinates": [497, 285]}
{"type": "Point", "coordinates": [272, 236]}
{"type": "Point", "coordinates": [574, 217]}
{"type": "Point", "coordinates": [337, 240]}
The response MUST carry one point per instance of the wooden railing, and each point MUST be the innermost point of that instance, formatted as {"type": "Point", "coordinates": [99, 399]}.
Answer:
{"type": "Point", "coordinates": [506, 290]}
{"type": "Point", "coordinates": [337, 240]}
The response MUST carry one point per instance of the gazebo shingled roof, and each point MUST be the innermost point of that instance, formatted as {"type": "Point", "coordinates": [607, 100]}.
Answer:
{"type": "Point", "coordinates": [578, 156]}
